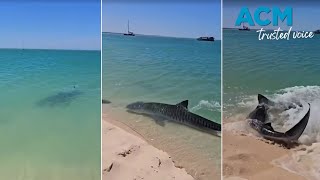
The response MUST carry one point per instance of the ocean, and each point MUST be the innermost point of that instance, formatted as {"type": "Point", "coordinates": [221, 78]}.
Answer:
{"type": "Point", "coordinates": [49, 114]}
{"type": "Point", "coordinates": [167, 70]}
{"type": "Point", "coordinates": [284, 71]}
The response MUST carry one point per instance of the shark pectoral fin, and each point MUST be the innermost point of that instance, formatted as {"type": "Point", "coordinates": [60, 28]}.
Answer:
{"type": "Point", "coordinates": [263, 99]}
{"type": "Point", "coordinates": [184, 104]}
{"type": "Point", "coordinates": [269, 127]}
{"type": "Point", "coordinates": [296, 131]}
{"type": "Point", "coordinates": [159, 120]}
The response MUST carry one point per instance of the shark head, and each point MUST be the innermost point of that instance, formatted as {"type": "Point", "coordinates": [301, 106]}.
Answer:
{"type": "Point", "coordinates": [136, 107]}
{"type": "Point", "coordinates": [260, 113]}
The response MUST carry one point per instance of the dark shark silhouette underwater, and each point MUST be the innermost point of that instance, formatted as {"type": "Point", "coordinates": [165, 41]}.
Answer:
{"type": "Point", "coordinates": [258, 121]}
{"type": "Point", "coordinates": [60, 98]}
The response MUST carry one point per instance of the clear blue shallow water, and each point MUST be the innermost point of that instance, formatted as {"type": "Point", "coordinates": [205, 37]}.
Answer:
{"type": "Point", "coordinates": [167, 70]}
{"type": "Point", "coordinates": [49, 114]}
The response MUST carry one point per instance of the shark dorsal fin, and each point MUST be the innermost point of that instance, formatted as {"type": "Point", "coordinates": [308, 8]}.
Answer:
{"type": "Point", "coordinates": [184, 103]}
{"type": "Point", "coordinates": [265, 100]}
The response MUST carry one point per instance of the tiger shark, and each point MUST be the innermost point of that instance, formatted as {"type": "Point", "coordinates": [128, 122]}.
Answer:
{"type": "Point", "coordinates": [178, 113]}
{"type": "Point", "coordinates": [63, 98]}
{"type": "Point", "coordinates": [258, 117]}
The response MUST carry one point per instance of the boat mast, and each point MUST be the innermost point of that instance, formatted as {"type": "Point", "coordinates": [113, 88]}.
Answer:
{"type": "Point", "coordinates": [128, 27]}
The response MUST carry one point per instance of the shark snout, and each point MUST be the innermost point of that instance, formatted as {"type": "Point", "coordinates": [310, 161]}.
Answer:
{"type": "Point", "coordinates": [136, 106]}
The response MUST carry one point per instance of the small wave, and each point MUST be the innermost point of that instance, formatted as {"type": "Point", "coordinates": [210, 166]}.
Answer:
{"type": "Point", "coordinates": [207, 105]}
{"type": "Point", "coordinates": [283, 121]}
{"type": "Point", "coordinates": [304, 95]}
{"type": "Point", "coordinates": [302, 161]}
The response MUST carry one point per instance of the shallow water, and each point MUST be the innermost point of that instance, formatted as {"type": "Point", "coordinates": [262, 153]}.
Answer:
{"type": "Point", "coordinates": [167, 70]}
{"type": "Point", "coordinates": [50, 114]}
{"type": "Point", "coordinates": [196, 151]}
{"type": "Point", "coordinates": [284, 71]}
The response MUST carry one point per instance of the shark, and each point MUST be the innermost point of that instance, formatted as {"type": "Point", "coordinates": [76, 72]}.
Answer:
{"type": "Point", "coordinates": [178, 113]}
{"type": "Point", "coordinates": [105, 101]}
{"type": "Point", "coordinates": [258, 121]}
{"type": "Point", "coordinates": [60, 98]}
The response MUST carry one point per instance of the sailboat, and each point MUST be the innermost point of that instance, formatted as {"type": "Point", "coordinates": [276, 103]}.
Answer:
{"type": "Point", "coordinates": [244, 28]}
{"type": "Point", "coordinates": [129, 32]}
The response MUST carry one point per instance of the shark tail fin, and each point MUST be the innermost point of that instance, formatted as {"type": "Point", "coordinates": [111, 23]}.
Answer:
{"type": "Point", "coordinates": [295, 132]}
{"type": "Point", "coordinates": [265, 100]}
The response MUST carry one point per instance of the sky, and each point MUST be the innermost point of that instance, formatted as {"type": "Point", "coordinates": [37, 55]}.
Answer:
{"type": "Point", "coordinates": [305, 14]}
{"type": "Point", "coordinates": [177, 18]}
{"type": "Point", "coordinates": [50, 25]}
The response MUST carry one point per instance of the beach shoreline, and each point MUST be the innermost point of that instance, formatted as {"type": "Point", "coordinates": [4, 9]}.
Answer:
{"type": "Point", "coordinates": [126, 155]}
{"type": "Point", "coordinates": [249, 157]}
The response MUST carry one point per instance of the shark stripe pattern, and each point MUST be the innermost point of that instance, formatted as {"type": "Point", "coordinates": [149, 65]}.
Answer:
{"type": "Point", "coordinates": [178, 113]}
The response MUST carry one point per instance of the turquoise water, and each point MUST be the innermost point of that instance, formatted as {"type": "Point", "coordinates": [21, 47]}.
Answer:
{"type": "Point", "coordinates": [167, 70]}
{"type": "Point", "coordinates": [251, 66]}
{"type": "Point", "coordinates": [163, 69]}
{"type": "Point", "coordinates": [50, 114]}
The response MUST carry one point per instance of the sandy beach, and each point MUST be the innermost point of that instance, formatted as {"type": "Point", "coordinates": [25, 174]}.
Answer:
{"type": "Point", "coordinates": [249, 157]}
{"type": "Point", "coordinates": [126, 156]}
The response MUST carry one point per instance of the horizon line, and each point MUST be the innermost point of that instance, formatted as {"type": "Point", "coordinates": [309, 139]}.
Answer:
{"type": "Point", "coordinates": [158, 35]}
{"type": "Point", "coordinates": [265, 29]}
{"type": "Point", "coordinates": [53, 49]}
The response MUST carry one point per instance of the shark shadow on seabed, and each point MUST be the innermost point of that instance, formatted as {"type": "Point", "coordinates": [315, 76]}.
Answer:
{"type": "Point", "coordinates": [59, 99]}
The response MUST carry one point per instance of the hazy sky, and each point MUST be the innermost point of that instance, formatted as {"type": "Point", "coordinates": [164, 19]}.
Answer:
{"type": "Point", "coordinates": [305, 15]}
{"type": "Point", "coordinates": [175, 18]}
{"type": "Point", "coordinates": [48, 25]}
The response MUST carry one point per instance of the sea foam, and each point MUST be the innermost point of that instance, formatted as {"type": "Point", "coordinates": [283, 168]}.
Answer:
{"type": "Point", "coordinates": [304, 159]}
{"type": "Point", "coordinates": [285, 119]}
{"type": "Point", "coordinates": [207, 105]}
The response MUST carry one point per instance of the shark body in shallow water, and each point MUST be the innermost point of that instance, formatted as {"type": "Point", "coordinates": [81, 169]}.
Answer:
{"type": "Point", "coordinates": [104, 101]}
{"type": "Point", "coordinates": [258, 117]}
{"type": "Point", "coordinates": [178, 113]}
{"type": "Point", "coordinates": [60, 98]}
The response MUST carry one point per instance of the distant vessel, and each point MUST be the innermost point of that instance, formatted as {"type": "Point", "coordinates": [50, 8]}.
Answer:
{"type": "Point", "coordinates": [317, 31]}
{"type": "Point", "coordinates": [244, 28]}
{"type": "Point", "coordinates": [129, 32]}
{"type": "Point", "coordinates": [205, 39]}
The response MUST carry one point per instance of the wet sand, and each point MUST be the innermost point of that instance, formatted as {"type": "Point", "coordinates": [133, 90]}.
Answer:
{"type": "Point", "coordinates": [250, 157]}
{"type": "Point", "coordinates": [125, 155]}
{"type": "Point", "coordinates": [197, 152]}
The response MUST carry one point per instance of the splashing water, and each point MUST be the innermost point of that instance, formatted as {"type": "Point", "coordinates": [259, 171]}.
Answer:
{"type": "Point", "coordinates": [302, 161]}
{"type": "Point", "coordinates": [208, 105]}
